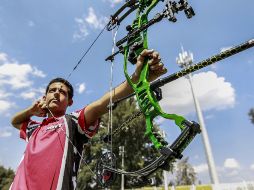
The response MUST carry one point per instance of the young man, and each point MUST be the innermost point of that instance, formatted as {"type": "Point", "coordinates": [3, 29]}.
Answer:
{"type": "Point", "coordinates": [52, 156]}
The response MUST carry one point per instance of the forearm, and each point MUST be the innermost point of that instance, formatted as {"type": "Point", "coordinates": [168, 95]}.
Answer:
{"type": "Point", "coordinates": [119, 92]}
{"type": "Point", "coordinates": [21, 117]}
{"type": "Point", "coordinates": [100, 107]}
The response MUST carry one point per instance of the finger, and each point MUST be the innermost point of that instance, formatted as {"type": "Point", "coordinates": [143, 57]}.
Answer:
{"type": "Point", "coordinates": [155, 58]}
{"type": "Point", "coordinates": [160, 71]}
{"type": "Point", "coordinates": [40, 104]}
{"type": "Point", "coordinates": [155, 55]}
{"type": "Point", "coordinates": [36, 102]}
{"type": "Point", "coordinates": [147, 52]}
{"type": "Point", "coordinates": [154, 61]}
{"type": "Point", "coordinates": [144, 54]}
{"type": "Point", "coordinates": [164, 70]}
{"type": "Point", "coordinates": [44, 106]}
{"type": "Point", "coordinates": [157, 66]}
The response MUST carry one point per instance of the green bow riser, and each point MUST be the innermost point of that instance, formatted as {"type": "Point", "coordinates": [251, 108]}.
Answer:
{"type": "Point", "coordinates": [145, 96]}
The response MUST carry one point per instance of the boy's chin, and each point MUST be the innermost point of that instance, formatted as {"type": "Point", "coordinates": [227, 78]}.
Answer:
{"type": "Point", "coordinates": [55, 108]}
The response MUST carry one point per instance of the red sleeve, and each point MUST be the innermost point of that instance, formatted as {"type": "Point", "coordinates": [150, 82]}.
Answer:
{"type": "Point", "coordinates": [27, 129]}
{"type": "Point", "coordinates": [23, 128]}
{"type": "Point", "coordinates": [89, 131]}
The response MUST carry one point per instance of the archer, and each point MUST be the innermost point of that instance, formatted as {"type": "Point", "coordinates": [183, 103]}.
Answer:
{"type": "Point", "coordinates": [52, 156]}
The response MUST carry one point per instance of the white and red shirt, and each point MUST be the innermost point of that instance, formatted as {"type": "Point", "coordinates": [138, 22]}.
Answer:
{"type": "Point", "coordinates": [51, 159]}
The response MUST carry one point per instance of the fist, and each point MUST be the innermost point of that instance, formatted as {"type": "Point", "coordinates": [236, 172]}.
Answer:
{"type": "Point", "coordinates": [39, 108]}
{"type": "Point", "coordinates": [156, 67]}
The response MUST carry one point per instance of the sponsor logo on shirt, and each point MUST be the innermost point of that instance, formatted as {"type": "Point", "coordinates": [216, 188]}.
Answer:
{"type": "Point", "coordinates": [53, 127]}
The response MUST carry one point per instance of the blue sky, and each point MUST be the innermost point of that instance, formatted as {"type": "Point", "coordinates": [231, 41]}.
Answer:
{"type": "Point", "coordinates": [40, 40]}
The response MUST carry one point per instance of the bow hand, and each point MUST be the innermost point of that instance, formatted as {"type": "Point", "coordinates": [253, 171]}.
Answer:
{"type": "Point", "coordinates": [156, 67]}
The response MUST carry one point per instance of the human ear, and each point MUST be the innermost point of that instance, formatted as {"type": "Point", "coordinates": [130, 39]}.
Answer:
{"type": "Point", "coordinates": [70, 102]}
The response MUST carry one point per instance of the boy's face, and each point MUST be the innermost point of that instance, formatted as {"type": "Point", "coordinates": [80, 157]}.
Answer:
{"type": "Point", "coordinates": [57, 98]}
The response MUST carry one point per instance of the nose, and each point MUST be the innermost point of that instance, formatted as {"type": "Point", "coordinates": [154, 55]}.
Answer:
{"type": "Point", "coordinates": [57, 93]}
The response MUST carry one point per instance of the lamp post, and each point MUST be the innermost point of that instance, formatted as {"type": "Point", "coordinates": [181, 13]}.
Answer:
{"type": "Point", "coordinates": [185, 60]}
{"type": "Point", "coordinates": [165, 173]}
{"type": "Point", "coordinates": [121, 153]}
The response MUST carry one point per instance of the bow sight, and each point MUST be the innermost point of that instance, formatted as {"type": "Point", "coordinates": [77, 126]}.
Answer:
{"type": "Point", "coordinates": [171, 8]}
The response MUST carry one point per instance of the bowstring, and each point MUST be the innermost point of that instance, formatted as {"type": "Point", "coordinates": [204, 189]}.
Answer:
{"type": "Point", "coordinates": [111, 93]}
{"type": "Point", "coordinates": [86, 52]}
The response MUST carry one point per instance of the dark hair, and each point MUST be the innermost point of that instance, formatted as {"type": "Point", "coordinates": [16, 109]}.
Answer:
{"type": "Point", "coordinates": [65, 82]}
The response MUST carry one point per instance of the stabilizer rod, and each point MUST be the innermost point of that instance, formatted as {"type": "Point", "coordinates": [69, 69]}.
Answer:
{"type": "Point", "coordinates": [213, 59]}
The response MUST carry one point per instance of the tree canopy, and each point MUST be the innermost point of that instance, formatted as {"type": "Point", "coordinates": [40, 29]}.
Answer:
{"type": "Point", "coordinates": [185, 173]}
{"type": "Point", "coordinates": [6, 178]}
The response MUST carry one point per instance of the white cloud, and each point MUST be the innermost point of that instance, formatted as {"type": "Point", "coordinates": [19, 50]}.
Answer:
{"type": "Point", "coordinates": [30, 23]}
{"type": "Point", "coordinates": [95, 21]}
{"type": "Point", "coordinates": [28, 95]}
{"type": "Point", "coordinates": [15, 79]}
{"type": "Point", "coordinates": [81, 88]}
{"type": "Point", "coordinates": [196, 156]}
{"type": "Point", "coordinates": [15, 74]}
{"type": "Point", "coordinates": [201, 168]}
{"type": "Point", "coordinates": [32, 94]}
{"type": "Point", "coordinates": [82, 32]}
{"type": "Point", "coordinates": [214, 67]}
{"type": "Point", "coordinates": [90, 21]}
{"type": "Point", "coordinates": [4, 94]}
{"type": "Point", "coordinates": [209, 116]}
{"type": "Point", "coordinates": [38, 73]}
{"type": "Point", "coordinates": [213, 92]}
{"type": "Point", "coordinates": [159, 120]}
{"type": "Point", "coordinates": [5, 132]}
{"type": "Point", "coordinates": [252, 166]}
{"type": "Point", "coordinates": [5, 105]}
{"type": "Point", "coordinates": [113, 2]}
{"type": "Point", "coordinates": [233, 173]}
{"type": "Point", "coordinates": [231, 163]}
{"type": "Point", "coordinates": [225, 48]}
{"type": "Point", "coordinates": [3, 57]}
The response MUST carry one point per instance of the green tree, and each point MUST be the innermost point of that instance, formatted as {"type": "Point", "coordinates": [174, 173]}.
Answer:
{"type": "Point", "coordinates": [185, 173]}
{"type": "Point", "coordinates": [251, 115]}
{"type": "Point", "coordinates": [6, 178]}
{"type": "Point", "coordinates": [138, 148]}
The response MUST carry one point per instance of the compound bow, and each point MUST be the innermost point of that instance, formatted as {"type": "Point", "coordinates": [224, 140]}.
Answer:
{"type": "Point", "coordinates": [148, 99]}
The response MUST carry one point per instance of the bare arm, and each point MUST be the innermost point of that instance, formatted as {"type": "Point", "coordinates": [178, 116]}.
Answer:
{"type": "Point", "coordinates": [36, 109]}
{"type": "Point", "coordinates": [96, 109]}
